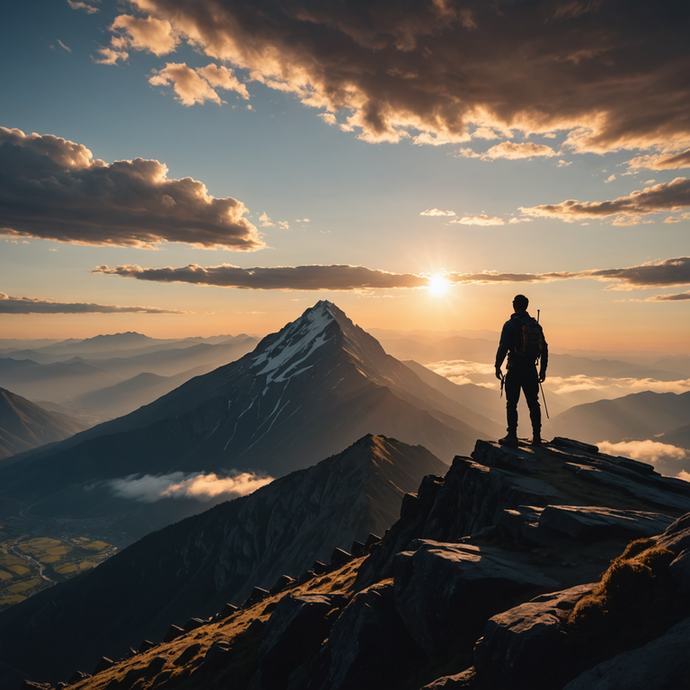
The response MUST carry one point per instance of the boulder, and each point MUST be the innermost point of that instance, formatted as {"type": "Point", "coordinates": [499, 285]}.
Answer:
{"type": "Point", "coordinates": [104, 664]}
{"type": "Point", "coordinates": [597, 522]}
{"type": "Point", "coordinates": [228, 610]}
{"type": "Point", "coordinates": [340, 557]}
{"type": "Point", "coordinates": [526, 646]}
{"type": "Point", "coordinates": [368, 647]}
{"type": "Point", "coordinates": [293, 634]}
{"type": "Point", "coordinates": [193, 624]}
{"type": "Point", "coordinates": [663, 664]}
{"type": "Point", "coordinates": [445, 592]}
{"type": "Point", "coordinates": [676, 538]}
{"type": "Point", "coordinates": [174, 631]}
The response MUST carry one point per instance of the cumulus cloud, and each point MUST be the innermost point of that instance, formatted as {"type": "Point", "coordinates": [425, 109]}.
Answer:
{"type": "Point", "coordinates": [37, 305]}
{"type": "Point", "coordinates": [441, 70]}
{"type": "Point", "coordinates": [202, 487]}
{"type": "Point", "coordinates": [197, 86]}
{"type": "Point", "coordinates": [436, 212]}
{"type": "Point", "coordinates": [666, 196]}
{"type": "Point", "coordinates": [153, 35]}
{"type": "Point", "coordinates": [338, 277]}
{"type": "Point", "coordinates": [54, 189]}
{"type": "Point", "coordinates": [665, 161]}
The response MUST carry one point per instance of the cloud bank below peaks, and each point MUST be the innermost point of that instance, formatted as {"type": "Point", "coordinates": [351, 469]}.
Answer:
{"type": "Point", "coordinates": [445, 71]}
{"type": "Point", "coordinates": [345, 278]}
{"type": "Point", "coordinates": [199, 486]}
{"type": "Point", "coordinates": [53, 189]}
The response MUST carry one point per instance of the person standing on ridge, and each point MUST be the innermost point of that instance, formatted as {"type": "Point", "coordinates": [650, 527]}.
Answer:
{"type": "Point", "coordinates": [522, 339]}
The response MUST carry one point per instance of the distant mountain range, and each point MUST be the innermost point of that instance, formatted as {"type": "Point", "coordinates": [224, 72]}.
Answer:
{"type": "Point", "coordinates": [24, 425]}
{"type": "Point", "coordinates": [194, 567]}
{"type": "Point", "coordinates": [643, 415]}
{"type": "Point", "coordinates": [303, 394]}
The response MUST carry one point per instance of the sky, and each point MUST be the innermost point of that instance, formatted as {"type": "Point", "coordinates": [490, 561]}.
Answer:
{"type": "Point", "coordinates": [194, 168]}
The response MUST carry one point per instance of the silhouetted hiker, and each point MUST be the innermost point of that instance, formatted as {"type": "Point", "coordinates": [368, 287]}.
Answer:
{"type": "Point", "coordinates": [522, 339]}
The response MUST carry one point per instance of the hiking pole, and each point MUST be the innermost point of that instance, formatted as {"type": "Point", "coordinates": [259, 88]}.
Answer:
{"type": "Point", "coordinates": [503, 383]}
{"type": "Point", "coordinates": [543, 397]}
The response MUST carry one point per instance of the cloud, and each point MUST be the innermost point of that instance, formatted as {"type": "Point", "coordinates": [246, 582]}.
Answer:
{"type": "Point", "coordinates": [679, 297]}
{"type": "Point", "coordinates": [645, 451]}
{"type": "Point", "coordinates": [666, 196]}
{"type": "Point", "coordinates": [63, 46]}
{"type": "Point", "coordinates": [345, 277]}
{"type": "Point", "coordinates": [199, 486]}
{"type": "Point", "coordinates": [197, 86]}
{"type": "Point", "coordinates": [338, 277]}
{"type": "Point", "coordinates": [461, 371]}
{"type": "Point", "coordinates": [153, 35]}
{"type": "Point", "coordinates": [513, 151]}
{"type": "Point", "coordinates": [436, 212]}
{"type": "Point", "coordinates": [664, 161]}
{"type": "Point", "coordinates": [110, 56]}
{"type": "Point", "coordinates": [614, 387]}
{"type": "Point", "coordinates": [564, 164]}
{"type": "Point", "coordinates": [441, 70]}
{"type": "Point", "coordinates": [54, 189]}
{"type": "Point", "coordinates": [479, 220]}
{"type": "Point", "coordinates": [86, 6]}
{"type": "Point", "coordinates": [37, 305]}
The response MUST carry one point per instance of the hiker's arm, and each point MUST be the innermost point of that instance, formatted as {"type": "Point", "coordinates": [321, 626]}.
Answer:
{"type": "Point", "coordinates": [544, 361]}
{"type": "Point", "coordinates": [503, 346]}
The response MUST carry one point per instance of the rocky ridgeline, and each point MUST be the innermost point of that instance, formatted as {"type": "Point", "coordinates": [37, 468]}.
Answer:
{"type": "Point", "coordinates": [515, 570]}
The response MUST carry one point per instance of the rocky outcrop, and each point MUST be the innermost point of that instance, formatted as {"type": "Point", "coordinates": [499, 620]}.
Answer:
{"type": "Point", "coordinates": [445, 592]}
{"type": "Point", "coordinates": [509, 573]}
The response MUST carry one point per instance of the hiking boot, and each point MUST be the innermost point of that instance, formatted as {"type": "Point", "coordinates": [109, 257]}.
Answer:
{"type": "Point", "coordinates": [536, 440]}
{"type": "Point", "coordinates": [509, 440]}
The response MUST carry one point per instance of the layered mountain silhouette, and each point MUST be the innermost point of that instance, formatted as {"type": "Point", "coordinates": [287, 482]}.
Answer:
{"type": "Point", "coordinates": [303, 394]}
{"type": "Point", "coordinates": [194, 567]}
{"type": "Point", "coordinates": [637, 416]}
{"type": "Point", "coordinates": [24, 425]}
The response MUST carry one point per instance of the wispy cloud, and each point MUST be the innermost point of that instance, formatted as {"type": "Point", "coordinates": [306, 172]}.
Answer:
{"type": "Point", "coordinates": [88, 7]}
{"type": "Point", "coordinates": [436, 212]}
{"type": "Point", "coordinates": [441, 71]}
{"type": "Point", "coordinates": [54, 189]}
{"type": "Point", "coordinates": [667, 196]}
{"type": "Point", "coordinates": [662, 161]}
{"type": "Point", "coordinates": [482, 219]}
{"type": "Point", "coordinates": [511, 151]}
{"type": "Point", "coordinates": [38, 305]}
{"type": "Point", "coordinates": [202, 487]}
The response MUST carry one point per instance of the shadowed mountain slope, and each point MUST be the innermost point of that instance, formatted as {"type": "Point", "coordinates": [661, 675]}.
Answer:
{"type": "Point", "coordinates": [193, 567]}
{"type": "Point", "coordinates": [24, 425]}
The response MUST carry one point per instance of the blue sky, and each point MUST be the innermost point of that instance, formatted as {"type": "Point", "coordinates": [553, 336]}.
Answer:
{"type": "Point", "coordinates": [534, 110]}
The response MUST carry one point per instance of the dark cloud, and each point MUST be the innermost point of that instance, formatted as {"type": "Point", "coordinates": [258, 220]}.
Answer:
{"type": "Point", "coordinates": [34, 305]}
{"type": "Point", "coordinates": [280, 278]}
{"type": "Point", "coordinates": [668, 272]}
{"type": "Point", "coordinates": [53, 189]}
{"type": "Point", "coordinates": [667, 196]}
{"type": "Point", "coordinates": [343, 277]}
{"type": "Point", "coordinates": [612, 74]}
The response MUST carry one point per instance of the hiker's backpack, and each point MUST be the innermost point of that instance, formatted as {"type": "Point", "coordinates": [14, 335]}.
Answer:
{"type": "Point", "coordinates": [529, 339]}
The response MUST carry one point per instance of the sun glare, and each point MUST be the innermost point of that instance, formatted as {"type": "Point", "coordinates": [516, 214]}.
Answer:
{"type": "Point", "coordinates": [438, 285]}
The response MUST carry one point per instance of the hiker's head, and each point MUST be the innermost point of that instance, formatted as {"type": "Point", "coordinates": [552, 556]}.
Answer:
{"type": "Point", "coordinates": [520, 303]}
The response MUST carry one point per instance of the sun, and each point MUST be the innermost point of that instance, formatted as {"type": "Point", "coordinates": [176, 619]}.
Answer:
{"type": "Point", "coordinates": [438, 285]}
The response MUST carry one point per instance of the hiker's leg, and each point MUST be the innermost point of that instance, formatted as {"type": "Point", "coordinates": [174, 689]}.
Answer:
{"type": "Point", "coordinates": [512, 398]}
{"type": "Point", "coordinates": [531, 387]}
